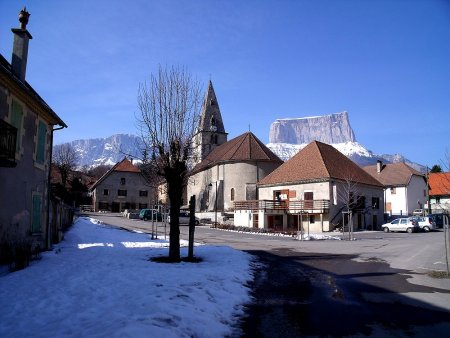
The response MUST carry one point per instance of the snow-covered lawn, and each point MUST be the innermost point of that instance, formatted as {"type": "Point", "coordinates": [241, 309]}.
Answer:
{"type": "Point", "coordinates": [99, 282]}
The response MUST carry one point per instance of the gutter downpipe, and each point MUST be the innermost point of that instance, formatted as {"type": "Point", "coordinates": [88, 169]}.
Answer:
{"type": "Point", "coordinates": [49, 189]}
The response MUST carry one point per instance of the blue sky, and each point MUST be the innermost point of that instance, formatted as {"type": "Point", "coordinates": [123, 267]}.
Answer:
{"type": "Point", "coordinates": [385, 62]}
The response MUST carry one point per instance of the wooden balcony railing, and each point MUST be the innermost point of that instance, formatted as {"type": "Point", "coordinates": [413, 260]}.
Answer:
{"type": "Point", "coordinates": [288, 206]}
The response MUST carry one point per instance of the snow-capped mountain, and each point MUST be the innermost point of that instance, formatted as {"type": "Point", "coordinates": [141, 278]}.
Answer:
{"type": "Point", "coordinates": [108, 151]}
{"type": "Point", "coordinates": [288, 136]}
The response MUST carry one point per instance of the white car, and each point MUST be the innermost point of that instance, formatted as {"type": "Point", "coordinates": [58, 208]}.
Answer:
{"type": "Point", "coordinates": [409, 225]}
{"type": "Point", "coordinates": [184, 218]}
{"type": "Point", "coordinates": [426, 223]}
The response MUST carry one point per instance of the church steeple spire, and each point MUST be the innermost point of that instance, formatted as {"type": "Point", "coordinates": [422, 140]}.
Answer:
{"type": "Point", "coordinates": [210, 117]}
{"type": "Point", "coordinates": [210, 131]}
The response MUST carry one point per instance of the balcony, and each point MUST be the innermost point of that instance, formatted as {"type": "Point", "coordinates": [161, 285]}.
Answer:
{"type": "Point", "coordinates": [8, 135]}
{"type": "Point", "coordinates": [292, 207]}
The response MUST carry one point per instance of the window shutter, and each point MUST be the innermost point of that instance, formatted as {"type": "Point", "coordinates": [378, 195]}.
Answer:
{"type": "Point", "coordinates": [16, 121]}
{"type": "Point", "coordinates": [40, 147]}
{"type": "Point", "coordinates": [36, 213]}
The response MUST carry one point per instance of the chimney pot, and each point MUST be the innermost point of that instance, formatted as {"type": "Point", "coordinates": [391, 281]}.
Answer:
{"type": "Point", "coordinates": [379, 166]}
{"type": "Point", "coordinates": [23, 18]}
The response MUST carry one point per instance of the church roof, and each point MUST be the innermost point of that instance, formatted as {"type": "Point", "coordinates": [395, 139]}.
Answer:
{"type": "Point", "coordinates": [393, 174]}
{"type": "Point", "coordinates": [318, 162]}
{"type": "Point", "coordinates": [246, 147]}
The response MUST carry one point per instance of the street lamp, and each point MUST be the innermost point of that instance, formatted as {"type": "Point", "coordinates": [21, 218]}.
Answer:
{"type": "Point", "coordinates": [215, 205]}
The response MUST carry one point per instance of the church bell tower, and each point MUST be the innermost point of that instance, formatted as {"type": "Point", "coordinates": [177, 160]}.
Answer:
{"type": "Point", "coordinates": [210, 131]}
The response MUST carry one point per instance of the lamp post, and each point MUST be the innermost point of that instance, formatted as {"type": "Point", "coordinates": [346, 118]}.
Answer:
{"type": "Point", "coordinates": [215, 205]}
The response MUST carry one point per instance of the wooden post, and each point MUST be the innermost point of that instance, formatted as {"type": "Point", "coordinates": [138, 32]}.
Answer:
{"type": "Point", "coordinates": [191, 227]}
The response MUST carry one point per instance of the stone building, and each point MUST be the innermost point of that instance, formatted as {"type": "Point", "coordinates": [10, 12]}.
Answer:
{"type": "Point", "coordinates": [210, 132]}
{"type": "Point", "coordinates": [122, 187]}
{"type": "Point", "coordinates": [27, 124]}
{"type": "Point", "coordinates": [229, 173]}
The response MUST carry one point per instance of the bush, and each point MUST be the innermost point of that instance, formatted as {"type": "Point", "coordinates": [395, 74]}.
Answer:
{"type": "Point", "coordinates": [16, 250]}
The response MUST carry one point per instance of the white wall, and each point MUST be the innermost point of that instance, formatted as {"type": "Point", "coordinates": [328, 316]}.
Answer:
{"type": "Point", "coordinates": [406, 199]}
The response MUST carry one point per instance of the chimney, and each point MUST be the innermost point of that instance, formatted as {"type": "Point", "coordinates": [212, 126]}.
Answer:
{"type": "Point", "coordinates": [379, 166]}
{"type": "Point", "coordinates": [20, 47]}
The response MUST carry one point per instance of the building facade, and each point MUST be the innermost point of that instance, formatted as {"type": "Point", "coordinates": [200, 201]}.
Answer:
{"type": "Point", "coordinates": [439, 184]}
{"type": "Point", "coordinates": [405, 189]}
{"type": "Point", "coordinates": [122, 187]}
{"type": "Point", "coordinates": [27, 124]}
{"type": "Point", "coordinates": [317, 190]}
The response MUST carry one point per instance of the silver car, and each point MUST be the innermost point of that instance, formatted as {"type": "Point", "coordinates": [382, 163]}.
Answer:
{"type": "Point", "coordinates": [408, 224]}
{"type": "Point", "coordinates": [426, 223]}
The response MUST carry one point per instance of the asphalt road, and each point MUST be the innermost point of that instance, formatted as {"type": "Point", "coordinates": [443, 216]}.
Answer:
{"type": "Point", "coordinates": [377, 285]}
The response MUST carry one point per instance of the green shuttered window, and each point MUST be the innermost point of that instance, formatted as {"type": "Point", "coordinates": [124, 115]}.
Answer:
{"type": "Point", "coordinates": [16, 121]}
{"type": "Point", "coordinates": [40, 146]}
{"type": "Point", "coordinates": [36, 213]}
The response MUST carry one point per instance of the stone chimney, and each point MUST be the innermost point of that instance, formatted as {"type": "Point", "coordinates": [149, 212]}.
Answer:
{"type": "Point", "coordinates": [379, 166]}
{"type": "Point", "coordinates": [20, 47]}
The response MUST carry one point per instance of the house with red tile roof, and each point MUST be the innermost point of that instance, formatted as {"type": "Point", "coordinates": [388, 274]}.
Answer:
{"type": "Point", "coordinates": [405, 189]}
{"type": "Point", "coordinates": [122, 187]}
{"type": "Point", "coordinates": [314, 190]}
{"type": "Point", "coordinates": [229, 173]}
{"type": "Point", "coordinates": [439, 192]}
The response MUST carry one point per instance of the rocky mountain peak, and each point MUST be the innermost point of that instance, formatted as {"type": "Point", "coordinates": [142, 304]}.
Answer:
{"type": "Point", "coordinates": [333, 128]}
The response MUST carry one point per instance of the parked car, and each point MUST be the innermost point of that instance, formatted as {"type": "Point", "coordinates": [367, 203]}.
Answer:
{"type": "Point", "coordinates": [426, 223]}
{"type": "Point", "coordinates": [409, 225]}
{"type": "Point", "coordinates": [184, 218]}
{"type": "Point", "coordinates": [439, 219]}
{"type": "Point", "coordinates": [418, 212]}
{"type": "Point", "coordinates": [150, 214]}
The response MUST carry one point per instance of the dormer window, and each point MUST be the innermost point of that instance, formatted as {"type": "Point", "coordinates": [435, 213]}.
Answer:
{"type": "Point", "coordinates": [212, 102]}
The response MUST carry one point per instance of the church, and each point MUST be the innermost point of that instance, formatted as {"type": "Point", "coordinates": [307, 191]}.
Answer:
{"type": "Point", "coordinates": [225, 171]}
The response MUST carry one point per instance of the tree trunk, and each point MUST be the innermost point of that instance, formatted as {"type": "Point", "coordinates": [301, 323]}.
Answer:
{"type": "Point", "coordinates": [174, 178]}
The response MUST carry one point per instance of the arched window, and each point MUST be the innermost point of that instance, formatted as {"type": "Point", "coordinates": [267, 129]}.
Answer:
{"type": "Point", "coordinates": [213, 121]}
{"type": "Point", "coordinates": [232, 194]}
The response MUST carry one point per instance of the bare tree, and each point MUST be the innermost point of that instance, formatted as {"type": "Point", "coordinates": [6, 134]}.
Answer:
{"type": "Point", "coordinates": [169, 108]}
{"type": "Point", "coordinates": [348, 195]}
{"type": "Point", "coordinates": [65, 159]}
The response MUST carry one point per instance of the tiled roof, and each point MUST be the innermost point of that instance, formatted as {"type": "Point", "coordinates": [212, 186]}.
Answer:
{"type": "Point", "coordinates": [246, 147]}
{"type": "Point", "coordinates": [126, 165]}
{"type": "Point", "coordinates": [318, 161]}
{"type": "Point", "coordinates": [123, 166]}
{"type": "Point", "coordinates": [439, 184]}
{"type": "Point", "coordinates": [393, 174]}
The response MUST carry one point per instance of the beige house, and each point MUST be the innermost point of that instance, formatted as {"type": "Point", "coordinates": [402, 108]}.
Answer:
{"type": "Point", "coordinates": [316, 189]}
{"type": "Point", "coordinates": [405, 189]}
{"type": "Point", "coordinates": [27, 124]}
{"type": "Point", "coordinates": [122, 187]}
{"type": "Point", "coordinates": [229, 173]}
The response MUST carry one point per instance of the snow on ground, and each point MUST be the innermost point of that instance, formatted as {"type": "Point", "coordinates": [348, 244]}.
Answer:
{"type": "Point", "coordinates": [99, 282]}
{"type": "Point", "coordinates": [305, 237]}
